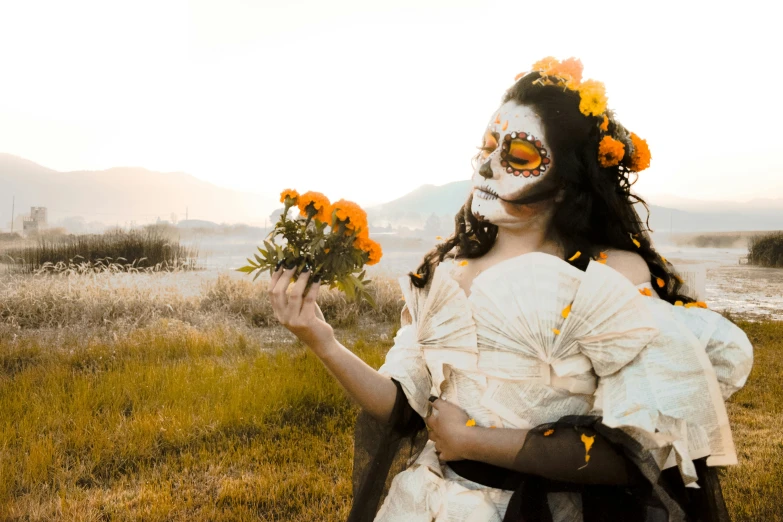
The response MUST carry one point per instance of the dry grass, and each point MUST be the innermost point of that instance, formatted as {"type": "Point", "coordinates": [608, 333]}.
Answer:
{"type": "Point", "coordinates": [135, 300]}
{"type": "Point", "coordinates": [754, 488]}
{"type": "Point", "coordinates": [171, 423]}
{"type": "Point", "coordinates": [155, 403]}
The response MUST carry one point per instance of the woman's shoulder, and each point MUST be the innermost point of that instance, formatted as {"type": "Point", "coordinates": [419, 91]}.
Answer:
{"type": "Point", "coordinates": [630, 264]}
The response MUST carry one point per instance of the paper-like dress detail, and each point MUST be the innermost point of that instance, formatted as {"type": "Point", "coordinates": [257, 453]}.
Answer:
{"type": "Point", "coordinates": [496, 354]}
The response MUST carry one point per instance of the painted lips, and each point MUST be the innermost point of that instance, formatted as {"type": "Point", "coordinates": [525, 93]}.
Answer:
{"type": "Point", "coordinates": [485, 193]}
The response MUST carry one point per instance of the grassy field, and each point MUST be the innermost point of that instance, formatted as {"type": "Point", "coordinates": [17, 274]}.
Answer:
{"type": "Point", "coordinates": [199, 414]}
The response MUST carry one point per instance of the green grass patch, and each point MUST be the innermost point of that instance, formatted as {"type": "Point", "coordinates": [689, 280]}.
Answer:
{"type": "Point", "coordinates": [173, 422]}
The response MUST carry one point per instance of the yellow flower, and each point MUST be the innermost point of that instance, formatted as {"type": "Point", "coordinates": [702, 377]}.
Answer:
{"type": "Point", "coordinates": [318, 204]}
{"type": "Point", "coordinates": [604, 124]}
{"type": "Point", "coordinates": [557, 332]}
{"type": "Point", "coordinates": [610, 152]}
{"type": "Point", "coordinates": [677, 303]}
{"type": "Point", "coordinates": [288, 193]}
{"type": "Point", "coordinates": [664, 259]}
{"type": "Point", "coordinates": [547, 433]}
{"type": "Point", "coordinates": [575, 256]}
{"type": "Point", "coordinates": [690, 305]}
{"type": "Point", "coordinates": [602, 255]}
{"type": "Point", "coordinates": [417, 275]}
{"type": "Point", "coordinates": [463, 263]}
{"type": "Point", "coordinates": [701, 304]}
{"type": "Point", "coordinates": [592, 96]}
{"type": "Point", "coordinates": [660, 282]}
{"type": "Point", "coordinates": [470, 423]}
{"type": "Point", "coordinates": [635, 241]}
{"type": "Point", "coordinates": [645, 291]}
{"type": "Point", "coordinates": [566, 311]}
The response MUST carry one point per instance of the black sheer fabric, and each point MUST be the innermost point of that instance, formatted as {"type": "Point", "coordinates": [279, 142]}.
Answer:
{"type": "Point", "coordinates": [620, 482]}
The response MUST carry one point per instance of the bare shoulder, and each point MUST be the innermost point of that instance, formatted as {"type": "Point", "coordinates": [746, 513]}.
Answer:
{"type": "Point", "coordinates": [630, 264]}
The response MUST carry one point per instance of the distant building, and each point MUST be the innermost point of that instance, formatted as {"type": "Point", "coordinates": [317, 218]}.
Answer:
{"type": "Point", "coordinates": [36, 222]}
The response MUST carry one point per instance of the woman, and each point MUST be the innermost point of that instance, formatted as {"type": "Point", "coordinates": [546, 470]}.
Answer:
{"type": "Point", "coordinates": [551, 198]}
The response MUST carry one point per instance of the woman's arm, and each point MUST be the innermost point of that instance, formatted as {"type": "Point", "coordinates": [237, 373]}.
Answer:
{"type": "Point", "coordinates": [566, 453]}
{"type": "Point", "coordinates": [374, 392]}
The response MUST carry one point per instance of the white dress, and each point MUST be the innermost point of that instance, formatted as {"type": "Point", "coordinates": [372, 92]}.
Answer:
{"type": "Point", "coordinates": [538, 339]}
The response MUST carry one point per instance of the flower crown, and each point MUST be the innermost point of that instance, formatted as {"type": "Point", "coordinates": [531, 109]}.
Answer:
{"type": "Point", "coordinates": [592, 103]}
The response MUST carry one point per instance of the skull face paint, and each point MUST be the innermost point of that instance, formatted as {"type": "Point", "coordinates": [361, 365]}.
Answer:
{"type": "Point", "coordinates": [512, 165]}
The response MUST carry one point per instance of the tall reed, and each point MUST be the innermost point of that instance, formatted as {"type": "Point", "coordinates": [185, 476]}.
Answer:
{"type": "Point", "coordinates": [114, 250]}
{"type": "Point", "coordinates": [766, 250]}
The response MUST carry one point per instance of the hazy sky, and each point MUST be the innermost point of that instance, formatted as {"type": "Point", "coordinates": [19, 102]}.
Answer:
{"type": "Point", "coordinates": [369, 99]}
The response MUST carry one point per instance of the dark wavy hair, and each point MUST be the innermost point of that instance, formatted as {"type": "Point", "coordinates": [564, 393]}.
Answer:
{"type": "Point", "coordinates": [597, 211]}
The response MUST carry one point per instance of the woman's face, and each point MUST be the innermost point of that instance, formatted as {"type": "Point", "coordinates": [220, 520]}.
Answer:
{"type": "Point", "coordinates": [508, 181]}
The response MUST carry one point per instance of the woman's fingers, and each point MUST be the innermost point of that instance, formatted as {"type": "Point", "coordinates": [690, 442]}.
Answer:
{"type": "Point", "coordinates": [295, 297]}
{"type": "Point", "coordinates": [310, 308]}
{"type": "Point", "coordinates": [278, 297]}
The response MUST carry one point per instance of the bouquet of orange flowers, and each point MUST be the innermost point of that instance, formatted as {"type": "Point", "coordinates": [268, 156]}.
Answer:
{"type": "Point", "coordinates": [332, 239]}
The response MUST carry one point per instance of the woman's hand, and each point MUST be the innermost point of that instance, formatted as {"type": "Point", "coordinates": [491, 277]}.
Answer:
{"type": "Point", "coordinates": [297, 312]}
{"type": "Point", "coordinates": [446, 425]}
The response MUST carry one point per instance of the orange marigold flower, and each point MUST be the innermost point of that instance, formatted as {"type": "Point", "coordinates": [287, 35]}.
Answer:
{"type": "Point", "coordinates": [701, 304]}
{"type": "Point", "coordinates": [592, 98]}
{"type": "Point", "coordinates": [660, 283]}
{"type": "Point", "coordinates": [314, 204]}
{"type": "Point", "coordinates": [544, 63]}
{"type": "Point", "coordinates": [557, 332]}
{"type": "Point", "coordinates": [645, 291]}
{"type": "Point", "coordinates": [610, 152]}
{"type": "Point", "coordinates": [417, 275]}
{"type": "Point", "coordinates": [463, 263]}
{"type": "Point", "coordinates": [604, 124]}
{"type": "Point", "coordinates": [351, 214]}
{"type": "Point", "coordinates": [575, 256]}
{"type": "Point", "coordinates": [640, 159]}
{"type": "Point", "coordinates": [371, 247]}
{"type": "Point", "coordinates": [288, 193]}
{"type": "Point", "coordinates": [547, 433]}
{"type": "Point", "coordinates": [569, 70]}
{"type": "Point", "coordinates": [678, 303]}
{"type": "Point", "coordinates": [471, 422]}
{"type": "Point", "coordinates": [602, 255]}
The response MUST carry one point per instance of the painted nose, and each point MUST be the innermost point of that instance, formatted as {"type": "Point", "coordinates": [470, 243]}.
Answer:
{"type": "Point", "coordinates": [486, 171]}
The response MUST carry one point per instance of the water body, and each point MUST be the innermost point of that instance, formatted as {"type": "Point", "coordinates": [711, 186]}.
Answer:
{"type": "Point", "coordinates": [748, 292]}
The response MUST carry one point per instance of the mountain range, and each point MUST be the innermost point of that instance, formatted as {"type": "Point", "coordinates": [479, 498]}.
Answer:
{"type": "Point", "coordinates": [690, 215]}
{"type": "Point", "coordinates": [126, 194]}
{"type": "Point", "coordinates": [122, 195]}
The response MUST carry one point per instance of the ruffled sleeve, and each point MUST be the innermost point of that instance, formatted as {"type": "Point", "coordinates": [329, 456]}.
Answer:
{"type": "Point", "coordinates": [727, 346]}
{"type": "Point", "coordinates": [405, 361]}
{"type": "Point", "coordinates": [669, 398]}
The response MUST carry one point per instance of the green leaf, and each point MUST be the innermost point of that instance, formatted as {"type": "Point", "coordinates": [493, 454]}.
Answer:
{"type": "Point", "coordinates": [246, 269]}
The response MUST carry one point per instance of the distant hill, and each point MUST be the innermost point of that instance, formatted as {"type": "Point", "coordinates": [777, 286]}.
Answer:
{"type": "Point", "coordinates": [445, 200]}
{"type": "Point", "coordinates": [124, 194]}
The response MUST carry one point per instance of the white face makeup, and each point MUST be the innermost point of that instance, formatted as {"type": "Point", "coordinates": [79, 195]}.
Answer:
{"type": "Point", "coordinates": [514, 159]}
